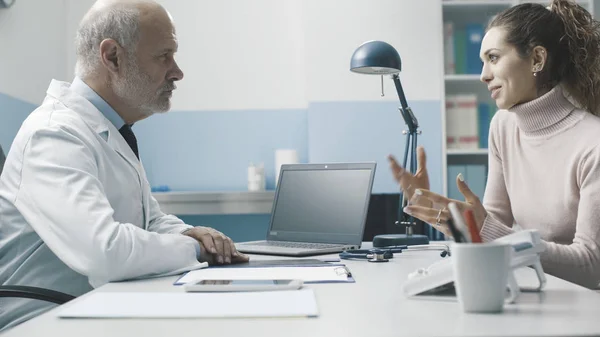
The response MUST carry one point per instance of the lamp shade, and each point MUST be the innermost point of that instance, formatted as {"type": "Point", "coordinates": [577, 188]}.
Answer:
{"type": "Point", "coordinates": [377, 58]}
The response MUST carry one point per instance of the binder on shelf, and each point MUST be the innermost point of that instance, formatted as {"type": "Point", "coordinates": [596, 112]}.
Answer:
{"type": "Point", "coordinates": [451, 120]}
{"type": "Point", "coordinates": [449, 64]}
{"type": "Point", "coordinates": [460, 50]}
{"type": "Point", "coordinates": [484, 119]}
{"type": "Point", "coordinates": [462, 122]}
{"type": "Point", "coordinates": [474, 32]}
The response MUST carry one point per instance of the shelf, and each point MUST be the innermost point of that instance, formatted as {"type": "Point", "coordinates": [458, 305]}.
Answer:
{"type": "Point", "coordinates": [205, 203]}
{"type": "Point", "coordinates": [462, 77]}
{"type": "Point", "coordinates": [467, 152]}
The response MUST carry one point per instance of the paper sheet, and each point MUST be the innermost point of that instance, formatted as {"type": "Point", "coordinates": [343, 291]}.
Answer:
{"type": "Point", "coordinates": [285, 303]}
{"type": "Point", "coordinates": [306, 274]}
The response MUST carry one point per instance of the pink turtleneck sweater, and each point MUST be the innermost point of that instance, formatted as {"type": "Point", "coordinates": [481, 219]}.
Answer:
{"type": "Point", "coordinates": [544, 174]}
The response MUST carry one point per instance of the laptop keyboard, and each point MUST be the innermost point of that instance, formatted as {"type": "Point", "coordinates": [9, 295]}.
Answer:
{"type": "Point", "coordinates": [290, 244]}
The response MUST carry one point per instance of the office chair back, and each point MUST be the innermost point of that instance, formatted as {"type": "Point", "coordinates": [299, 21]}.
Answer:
{"type": "Point", "coordinates": [35, 293]}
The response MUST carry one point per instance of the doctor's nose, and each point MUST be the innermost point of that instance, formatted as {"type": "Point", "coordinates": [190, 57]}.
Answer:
{"type": "Point", "coordinates": [176, 74]}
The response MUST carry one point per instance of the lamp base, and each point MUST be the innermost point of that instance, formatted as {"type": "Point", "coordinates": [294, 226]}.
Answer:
{"type": "Point", "coordinates": [385, 240]}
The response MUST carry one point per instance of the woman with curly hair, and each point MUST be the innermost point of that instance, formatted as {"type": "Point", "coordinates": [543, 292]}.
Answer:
{"type": "Point", "coordinates": [542, 67]}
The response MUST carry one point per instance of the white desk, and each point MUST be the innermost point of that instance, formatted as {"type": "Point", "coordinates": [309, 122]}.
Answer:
{"type": "Point", "coordinates": [373, 306]}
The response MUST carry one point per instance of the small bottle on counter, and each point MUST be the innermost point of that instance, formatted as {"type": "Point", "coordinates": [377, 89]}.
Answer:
{"type": "Point", "coordinates": [256, 177]}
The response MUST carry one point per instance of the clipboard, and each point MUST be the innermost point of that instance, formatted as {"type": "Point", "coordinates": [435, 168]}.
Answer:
{"type": "Point", "coordinates": [336, 273]}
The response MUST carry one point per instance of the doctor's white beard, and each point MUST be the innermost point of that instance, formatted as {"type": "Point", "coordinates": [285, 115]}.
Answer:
{"type": "Point", "coordinates": [135, 90]}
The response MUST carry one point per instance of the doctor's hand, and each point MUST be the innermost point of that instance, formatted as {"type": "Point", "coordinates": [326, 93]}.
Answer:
{"type": "Point", "coordinates": [408, 182]}
{"type": "Point", "coordinates": [438, 217]}
{"type": "Point", "coordinates": [215, 247]}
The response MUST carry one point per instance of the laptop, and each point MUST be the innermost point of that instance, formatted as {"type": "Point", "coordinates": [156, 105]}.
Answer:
{"type": "Point", "coordinates": [318, 209]}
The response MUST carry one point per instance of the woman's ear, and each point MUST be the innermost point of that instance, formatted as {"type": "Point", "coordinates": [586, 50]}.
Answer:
{"type": "Point", "coordinates": [539, 56]}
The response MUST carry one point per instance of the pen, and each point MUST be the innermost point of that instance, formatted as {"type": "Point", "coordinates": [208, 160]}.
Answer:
{"type": "Point", "coordinates": [459, 222]}
{"type": "Point", "coordinates": [470, 220]}
{"type": "Point", "coordinates": [458, 237]}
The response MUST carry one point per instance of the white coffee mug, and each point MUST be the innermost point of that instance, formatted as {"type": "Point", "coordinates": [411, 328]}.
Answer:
{"type": "Point", "coordinates": [482, 276]}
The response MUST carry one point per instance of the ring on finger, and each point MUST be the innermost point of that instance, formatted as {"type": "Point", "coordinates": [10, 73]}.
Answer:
{"type": "Point", "coordinates": [438, 220]}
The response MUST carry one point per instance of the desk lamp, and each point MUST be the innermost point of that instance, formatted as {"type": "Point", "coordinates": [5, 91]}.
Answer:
{"type": "Point", "coordinates": [380, 58]}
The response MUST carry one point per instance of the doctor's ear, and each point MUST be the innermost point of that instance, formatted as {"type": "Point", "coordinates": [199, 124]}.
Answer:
{"type": "Point", "coordinates": [110, 53]}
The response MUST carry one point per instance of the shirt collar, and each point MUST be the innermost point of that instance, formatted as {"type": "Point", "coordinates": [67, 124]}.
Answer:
{"type": "Point", "coordinates": [81, 88]}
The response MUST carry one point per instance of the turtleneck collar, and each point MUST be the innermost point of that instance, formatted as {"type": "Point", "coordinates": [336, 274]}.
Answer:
{"type": "Point", "coordinates": [547, 114]}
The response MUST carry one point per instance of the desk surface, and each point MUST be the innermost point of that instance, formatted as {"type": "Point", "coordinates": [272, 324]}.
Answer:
{"type": "Point", "coordinates": [373, 306]}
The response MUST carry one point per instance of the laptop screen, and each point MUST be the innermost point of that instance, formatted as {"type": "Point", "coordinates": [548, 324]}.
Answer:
{"type": "Point", "coordinates": [324, 203]}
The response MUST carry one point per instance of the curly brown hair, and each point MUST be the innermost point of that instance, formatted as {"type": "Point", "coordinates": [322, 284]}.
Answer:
{"type": "Point", "coordinates": [572, 38]}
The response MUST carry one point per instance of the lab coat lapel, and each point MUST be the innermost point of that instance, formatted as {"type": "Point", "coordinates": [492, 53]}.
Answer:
{"type": "Point", "coordinates": [120, 145]}
{"type": "Point", "coordinates": [95, 119]}
{"type": "Point", "coordinates": [102, 126]}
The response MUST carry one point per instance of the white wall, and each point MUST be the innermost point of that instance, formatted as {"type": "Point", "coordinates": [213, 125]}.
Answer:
{"type": "Point", "coordinates": [75, 10]}
{"type": "Point", "coordinates": [259, 54]}
{"type": "Point", "coordinates": [335, 28]}
{"type": "Point", "coordinates": [239, 54]}
{"type": "Point", "coordinates": [236, 55]}
{"type": "Point", "coordinates": [32, 48]}
{"type": "Point", "coordinates": [268, 54]}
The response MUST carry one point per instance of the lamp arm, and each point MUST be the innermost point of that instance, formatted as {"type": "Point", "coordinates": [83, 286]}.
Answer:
{"type": "Point", "coordinates": [410, 153]}
{"type": "Point", "coordinates": [407, 114]}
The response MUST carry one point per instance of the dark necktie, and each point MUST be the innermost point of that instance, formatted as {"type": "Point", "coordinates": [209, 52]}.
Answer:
{"type": "Point", "coordinates": [127, 133]}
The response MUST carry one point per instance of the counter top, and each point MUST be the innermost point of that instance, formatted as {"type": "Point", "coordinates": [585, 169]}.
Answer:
{"type": "Point", "coordinates": [225, 202]}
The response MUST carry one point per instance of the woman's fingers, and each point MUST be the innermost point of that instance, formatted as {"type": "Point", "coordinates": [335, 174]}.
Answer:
{"type": "Point", "coordinates": [433, 197]}
{"type": "Point", "coordinates": [402, 176]}
{"type": "Point", "coordinates": [464, 189]}
{"type": "Point", "coordinates": [421, 159]}
{"type": "Point", "coordinates": [430, 215]}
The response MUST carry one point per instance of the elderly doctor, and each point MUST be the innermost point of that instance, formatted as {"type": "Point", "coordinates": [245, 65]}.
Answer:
{"type": "Point", "coordinates": [75, 205]}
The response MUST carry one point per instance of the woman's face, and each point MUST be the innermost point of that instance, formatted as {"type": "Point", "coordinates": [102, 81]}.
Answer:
{"type": "Point", "coordinates": [509, 77]}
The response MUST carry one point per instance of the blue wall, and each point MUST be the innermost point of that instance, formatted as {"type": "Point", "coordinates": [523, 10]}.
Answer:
{"type": "Point", "coordinates": [214, 148]}
{"type": "Point", "coordinates": [211, 150]}
{"type": "Point", "coordinates": [369, 131]}
{"type": "Point", "coordinates": [12, 114]}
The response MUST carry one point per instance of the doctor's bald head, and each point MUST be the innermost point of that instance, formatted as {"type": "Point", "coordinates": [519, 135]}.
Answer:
{"type": "Point", "coordinates": [125, 51]}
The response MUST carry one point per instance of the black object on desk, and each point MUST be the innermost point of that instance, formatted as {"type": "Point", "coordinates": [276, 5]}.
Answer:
{"type": "Point", "coordinates": [278, 263]}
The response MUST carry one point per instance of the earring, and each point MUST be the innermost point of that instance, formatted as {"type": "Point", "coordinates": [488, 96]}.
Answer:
{"type": "Point", "coordinates": [535, 73]}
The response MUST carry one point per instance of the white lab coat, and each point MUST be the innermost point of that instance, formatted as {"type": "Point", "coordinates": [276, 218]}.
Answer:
{"type": "Point", "coordinates": [76, 208]}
